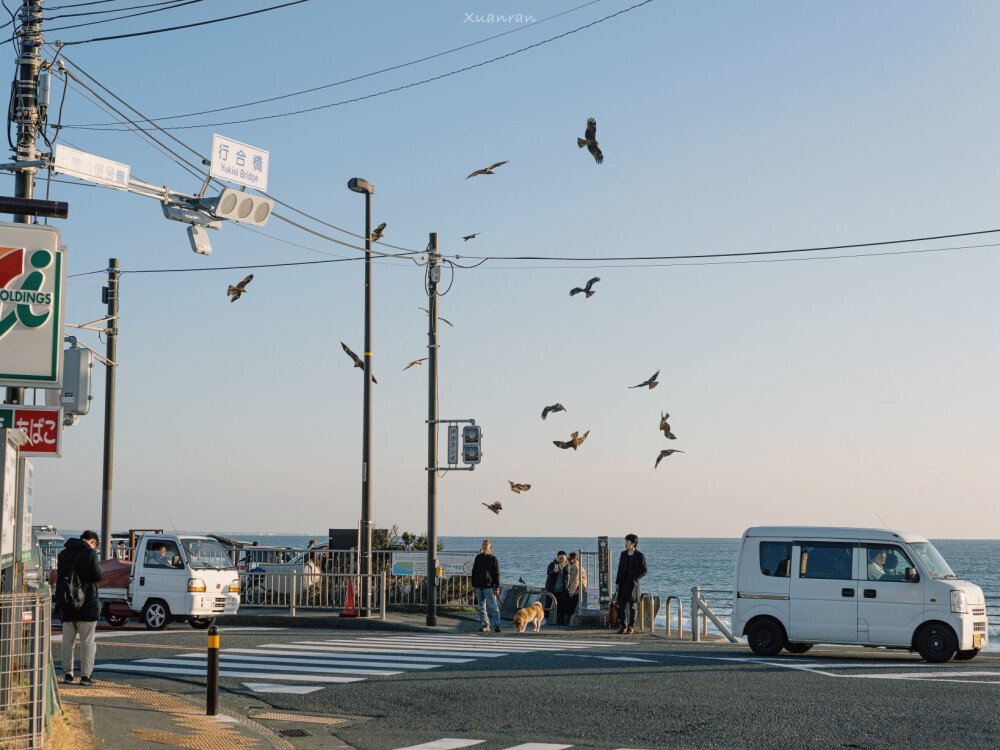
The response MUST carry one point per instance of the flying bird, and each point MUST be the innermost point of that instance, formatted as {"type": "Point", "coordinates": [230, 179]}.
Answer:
{"type": "Point", "coordinates": [414, 362]}
{"type": "Point", "coordinates": [495, 507]}
{"type": "Point", "coordinates": [554, 407]}
{"type": "Point", "coordinates": [665, 426]}
{"type": "Point", "coordinates": [377, 234]}
{"type": "Point", "coordinates": [439, 317]}
{"type": "Point", "coordinates": [470, 236]}
{"type": "Point", "coordinates": [651, 382]}
{"type": "Point", "coordinates": [488, 170]}
{"type": "Point", "coordinates": [667, 452]}
{"type": "Point", "coordinates": [358, 362]}
{"type": "Point", "coordinates": [590, 141]}
{"type": "Point", "coordinates": [236, 291]}
{"type": "Point", "coordinates": [518, 488]}
{"type": "Point", "coordinates": [574, 442]}
{"type": "Point", "coordinates": [586, 289]}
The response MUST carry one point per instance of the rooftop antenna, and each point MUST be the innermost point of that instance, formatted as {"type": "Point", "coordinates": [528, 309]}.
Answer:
{"type": "Point", "coordinates": [177, 532]}
{"type": "Point", "coordinates": [876, 516]}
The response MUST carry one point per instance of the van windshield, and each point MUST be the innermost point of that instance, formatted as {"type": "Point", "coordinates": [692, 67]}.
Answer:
{"type": "Point", "coordinates": [932, 560]}
{"type": "Point", "coordinates": [207, 553]}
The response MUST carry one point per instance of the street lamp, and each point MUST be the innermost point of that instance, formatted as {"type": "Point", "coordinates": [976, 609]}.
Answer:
{"type": "Point", "coordinates": [357, 185]}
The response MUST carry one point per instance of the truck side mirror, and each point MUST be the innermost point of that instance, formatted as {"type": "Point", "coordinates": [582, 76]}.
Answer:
{"type": "Point", "coordinates": [911, 575]}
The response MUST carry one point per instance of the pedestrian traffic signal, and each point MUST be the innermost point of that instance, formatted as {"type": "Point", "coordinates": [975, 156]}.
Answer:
{"type": "Point", "coordinates": [472, 449]}
{"type": "Point", "coordinates": [236, 205]}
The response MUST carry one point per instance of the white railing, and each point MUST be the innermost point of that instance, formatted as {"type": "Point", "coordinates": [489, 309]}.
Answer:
{"type": "Point", "coordinates": [295, 590]}
{"type": "Point", "coordinates": [704, 602]}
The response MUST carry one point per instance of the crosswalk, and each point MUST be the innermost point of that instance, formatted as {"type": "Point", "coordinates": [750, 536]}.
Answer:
{"type": "Point", "coordinates": [452, 743]}
{"type": "Point", "coordinates": [346, 660]}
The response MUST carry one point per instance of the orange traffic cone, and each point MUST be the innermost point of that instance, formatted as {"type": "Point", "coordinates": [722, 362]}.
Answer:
{"type": "Point", "coordinates": [349, 610]}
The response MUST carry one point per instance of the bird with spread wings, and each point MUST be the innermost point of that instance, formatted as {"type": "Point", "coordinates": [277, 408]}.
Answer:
{"type": "Point", "coordinates": [518, 488]}
{"type": "Point", "coordinates": [470, 236]}
{"type": "Point", "coordinates": [236, 291]}
{"type": "Point", "coordinates": [665, 426]}
{"type": "Point", "coordinates": [651, 382]}
{"type": "Point", "coordinates": [439, 317]}
{"type": "Point", "coordinates": [574, 442]}
{"type": "Point", "coordinates": [414, 362]}
{"type": "Point", "coordinates": [554, 407]}
{"type": "Point", "coordinates": [495, 507]}
{"type": "Point", "coordinates": [590, 141]}
{"type": "Point", "coordinates": [488, 170]}
{"type": "Point", "coordinates": [587, 289]}
{"type": "Point", "coordinates": [663, 453]}
{"type": "Point", "coordinates": [358, 362]}
{"type": "Point", "coordinates": [377, 234]}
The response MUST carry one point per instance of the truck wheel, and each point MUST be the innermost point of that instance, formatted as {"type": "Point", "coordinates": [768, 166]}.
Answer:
{"type": "Point", "coordinates": [766, 637]}
{"type": "Point", "coordinates": [971, 653]}
{"type": "Point", "coordinates": [201, 623]}
{"type": "Point", "coordinates": [936, 643]}
{"type": "Point", "coordinates": [797, 648]}
{"type": "Point", "coordinates": [116, 621]}
{"type": "Point", "coordinates": [156, 615]}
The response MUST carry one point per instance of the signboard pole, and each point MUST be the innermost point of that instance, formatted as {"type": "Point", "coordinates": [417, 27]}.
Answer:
{"type": "Point", "coordinates": [8, 508]}
{"type": "Point", "coordinates": [604, 578]}
{"type": "Point", "coordinates": [109, 408]}
{"type": "Point", "coordinates": [432, 430]}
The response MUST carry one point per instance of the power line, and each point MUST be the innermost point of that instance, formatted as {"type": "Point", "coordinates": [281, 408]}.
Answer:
{"type": "Point", "coordinates": [392, 90]}
{"type": "Point", "coordinates": [117, 10]}
{"type": "Point", "coordinates": [350, 80]}
{"type": "Point", "coordinates": [187, 26]}
{"type": "Point", "coordinates": [172, 5]}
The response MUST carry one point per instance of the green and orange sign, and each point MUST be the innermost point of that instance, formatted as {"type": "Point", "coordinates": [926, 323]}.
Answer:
{"type": "Point", "coordinates": [32, 308]}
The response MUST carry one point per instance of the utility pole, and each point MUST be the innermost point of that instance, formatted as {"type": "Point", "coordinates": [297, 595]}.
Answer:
{"type": "Point", "coordinates": [27, 117]}
{"type": "Point", "coordinates": [111, 294]}
{"type": "Point", "coordinates": [433, 277]}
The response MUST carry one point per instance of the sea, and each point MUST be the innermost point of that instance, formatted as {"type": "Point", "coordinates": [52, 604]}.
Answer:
{"type": "Point", "coordinates": [675, 564]}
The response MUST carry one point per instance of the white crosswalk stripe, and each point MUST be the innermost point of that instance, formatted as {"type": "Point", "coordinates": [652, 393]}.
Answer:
{"type": "Point", "coordinates": [452, 743]}
{"type": "Point", "coordinates": [327, 660]}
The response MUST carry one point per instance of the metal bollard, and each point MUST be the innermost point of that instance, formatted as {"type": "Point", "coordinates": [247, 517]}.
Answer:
{"type": "Point", "coordinates": [695, 612]}
{"type": "Point", "coordinates": [212, 678]}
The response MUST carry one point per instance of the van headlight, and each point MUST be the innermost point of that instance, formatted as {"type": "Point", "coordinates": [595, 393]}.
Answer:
{"type": "Point", "coordinates": [959, 604]}
{"type": "Point", "coordinates": [234, 587]}
{"type": "Point", "coordinates": [196, 584]}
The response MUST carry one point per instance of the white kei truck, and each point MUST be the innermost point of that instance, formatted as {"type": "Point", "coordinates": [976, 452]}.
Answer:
{"type": "Point", "coordinates": [172, 578]}
{"type": "Point", "coordinates": [796, 586]}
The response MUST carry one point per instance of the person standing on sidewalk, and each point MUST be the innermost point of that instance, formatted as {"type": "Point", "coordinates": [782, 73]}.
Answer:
{"type": "Point", "coordinates": [486, 581]}
{"type": "Point", "coordinates": [631, 567]}
{"type": "Point", "coordinates": [80, 557]}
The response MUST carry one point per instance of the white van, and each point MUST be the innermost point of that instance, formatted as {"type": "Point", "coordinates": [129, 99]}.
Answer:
{"type": "Point", "coordinates": [796, 586]}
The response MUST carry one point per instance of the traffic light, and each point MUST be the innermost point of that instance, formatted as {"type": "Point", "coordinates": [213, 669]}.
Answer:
{"type": "Point", "coordinates": [236, 205]}
{"type": "Point", "coordinates": [472, 449]}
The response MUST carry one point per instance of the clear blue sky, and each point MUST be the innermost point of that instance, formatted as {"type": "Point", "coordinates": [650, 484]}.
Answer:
{"type": "Point", "coordinates": [802, 391]}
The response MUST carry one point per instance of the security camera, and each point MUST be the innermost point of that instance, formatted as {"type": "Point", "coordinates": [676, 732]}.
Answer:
{"type": "Point", "coordinates": [199, 240]}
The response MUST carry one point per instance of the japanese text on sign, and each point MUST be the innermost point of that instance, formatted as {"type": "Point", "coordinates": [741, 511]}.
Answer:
{"type": "Point", "coordinates": [237, 162]}
{"type": "Point", "coordinates": [43, 426]}
{"type": "Point", "coordinates": [90, 167]}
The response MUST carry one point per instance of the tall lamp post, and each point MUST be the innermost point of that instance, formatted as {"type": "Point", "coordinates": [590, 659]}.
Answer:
{"type": "Point", "coordinates": [358, 185]}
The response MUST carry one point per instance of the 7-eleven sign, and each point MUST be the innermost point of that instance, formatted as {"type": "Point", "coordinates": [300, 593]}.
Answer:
{"type": "Point", "coordinates": [32, 308]}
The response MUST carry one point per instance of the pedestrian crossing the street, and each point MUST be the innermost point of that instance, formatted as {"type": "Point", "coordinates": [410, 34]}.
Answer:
{"type": "Point", "coordinates": [346, 660]}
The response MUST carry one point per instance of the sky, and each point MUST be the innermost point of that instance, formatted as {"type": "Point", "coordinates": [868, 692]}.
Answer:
{"type": "Point", "coordinates": [852, 387]}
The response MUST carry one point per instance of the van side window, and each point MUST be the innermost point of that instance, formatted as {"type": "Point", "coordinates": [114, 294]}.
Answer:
{"type": "Point", "coordinates": [775, 558]}
{"type": "Point", "coordinates": [826, 560]}
{"type": "Point", "coordinates": [886, 562]}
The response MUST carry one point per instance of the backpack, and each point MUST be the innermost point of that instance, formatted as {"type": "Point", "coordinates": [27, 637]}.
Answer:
{"type": "Point", "coordinates": [71, 594]}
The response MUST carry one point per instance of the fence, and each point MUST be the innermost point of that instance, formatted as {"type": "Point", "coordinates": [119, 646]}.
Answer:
{"type": "Point", "coordinates": [295, 589]}
{"type": "Point", "coordinates": [704, 603]}
{"type": "Point", "coordinates": [27, 690]}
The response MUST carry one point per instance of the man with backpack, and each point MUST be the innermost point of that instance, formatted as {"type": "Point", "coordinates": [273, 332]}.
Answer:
{"type": "Point", "coordinates": [76, 595]}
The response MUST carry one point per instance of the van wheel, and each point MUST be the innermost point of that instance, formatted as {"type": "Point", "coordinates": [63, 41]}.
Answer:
{"type": "Point", "coordinates": [766, 637]}
{"type": "Point", "coordinates": [797, 648]}
{"type": "Point", "coordinates": [971, 653]}
{"type": "Point", "coordinates": [936, 643]}
{"type": "Point", "coordinates": [156, 615]}
{"type": "Point", "coordinates": [116, 620]}
{"type": "Point", "coordinates": [201, 623]}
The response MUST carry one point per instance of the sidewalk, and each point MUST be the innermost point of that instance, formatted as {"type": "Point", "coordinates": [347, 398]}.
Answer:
{"type": "Point", "coordinates": [124, 717]}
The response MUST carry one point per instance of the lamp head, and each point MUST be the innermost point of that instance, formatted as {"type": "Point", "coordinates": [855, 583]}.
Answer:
{"type": "Point", "coordinates": [358, 185]}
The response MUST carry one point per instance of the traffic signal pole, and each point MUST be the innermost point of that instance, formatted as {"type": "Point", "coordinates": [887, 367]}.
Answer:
{"type": "Point", "coordinates": [109, 406]}
{"type": "Point", "coordinates": [27, 116]}
{"type": "Point", "coordinates": [433, 275]}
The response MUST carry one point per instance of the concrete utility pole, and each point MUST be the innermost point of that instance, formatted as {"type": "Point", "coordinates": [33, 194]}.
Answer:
{"type": "Point", "coordinates": [27, 117]}
{"type": "Point", "coordinates": [109, 406]}
{"type": "Point", "coordinates": [433, 276]}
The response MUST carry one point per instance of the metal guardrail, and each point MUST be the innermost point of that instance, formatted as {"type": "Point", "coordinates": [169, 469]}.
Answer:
{"type": "Point", "coordinates": [702, 611]}
{"type": "Point", "coordinates": [295, 589]}
{"type": "Point", "coordinates": [26, 680]}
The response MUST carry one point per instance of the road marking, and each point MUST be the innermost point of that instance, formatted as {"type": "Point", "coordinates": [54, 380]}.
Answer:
{"type": "Point", "coordinates": [610, 658]}
{"type": "Point", "coordinates": [314, 645]}
{"type": "Point", "coordinates": [539, 746]}
{"type": "Point", "coordinates": [259, 687]}
{"type": "Point", "coordinates": [248, 655]}
{"type": "Point", "coordinates": [253, 664]}
{"type": "Point", "coordinates": [222, 673]}
{"type": "Point", "coordinates": [340, 654]}
{"type": "Point", "coordinates": [446, 743]}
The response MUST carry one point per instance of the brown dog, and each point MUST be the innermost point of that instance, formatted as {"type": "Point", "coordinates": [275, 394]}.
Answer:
{"type": "Point", "coordinates": [533, 614]}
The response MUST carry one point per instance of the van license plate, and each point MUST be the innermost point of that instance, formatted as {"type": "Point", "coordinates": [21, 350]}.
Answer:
{"type": "Point", "coordinates": [977, 640]}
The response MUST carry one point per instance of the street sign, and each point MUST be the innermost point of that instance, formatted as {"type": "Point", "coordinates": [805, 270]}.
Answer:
{"type": "Point", "coordinates": [89, 167]}
{"type": "Point", "coordinates": [44, 425]}
{"type": "Point", "coordinates": [452, 444]}
{"type": "Point", "coordinates": [32, 291]}
{"type": "Point", "coordinates": [237, 162]}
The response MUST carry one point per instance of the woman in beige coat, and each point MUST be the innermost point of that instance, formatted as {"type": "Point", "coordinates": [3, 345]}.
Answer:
{"type": "Point", "coordinates": [576, 584]}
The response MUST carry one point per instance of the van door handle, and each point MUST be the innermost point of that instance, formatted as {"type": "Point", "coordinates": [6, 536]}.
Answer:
{"type": "Point", "coordinates": [847, 592]}
{"type": "Point", "coordinates": [869, 593]}
{"type": "Point", "coordinates": [142, 580]}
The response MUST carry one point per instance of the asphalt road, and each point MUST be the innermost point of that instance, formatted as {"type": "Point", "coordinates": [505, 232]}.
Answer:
{"type": "Point", "coordinates": [507, 690]}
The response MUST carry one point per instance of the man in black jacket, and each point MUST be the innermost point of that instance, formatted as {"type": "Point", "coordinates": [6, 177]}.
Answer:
{"type": "Point", "coordinates": [631, 567]}
{"type": "Point", "coordinates": [486, 580]}
{"type": "Point", "coordinates": [79, 556]}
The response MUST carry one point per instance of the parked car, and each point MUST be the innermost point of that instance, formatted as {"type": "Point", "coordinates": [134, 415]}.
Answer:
{"type": "Point", "coordinates": [269, 582]}
{"type": "Point", "coordinates": [251, 558]}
